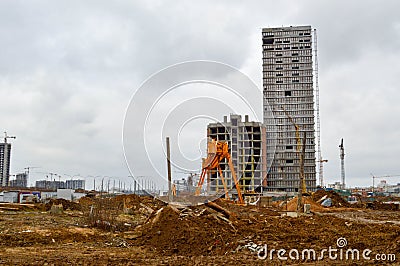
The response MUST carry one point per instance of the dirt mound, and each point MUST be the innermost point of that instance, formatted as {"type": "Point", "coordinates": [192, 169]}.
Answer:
{"type": "Point", "coordinates": [67, 204]}
{"type": "Point", "coordinates": [135, 201]}
{"type": "Point", "coordinates": [200, 234]}
{"type": "Point", "coordinates": [376, 205]}
{"type": "Point", "coordinates": [315, 207]}
{"type": "Point", "coordinates": [337, 200]}
{"type": "Point", "coordinates": [86, 201]}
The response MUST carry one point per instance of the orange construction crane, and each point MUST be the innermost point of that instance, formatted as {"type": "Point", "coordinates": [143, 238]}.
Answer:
{"type": "Point", "coordinates": [216, 152]}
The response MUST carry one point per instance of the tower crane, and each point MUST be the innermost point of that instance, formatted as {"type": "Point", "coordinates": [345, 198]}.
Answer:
{"type": "Point", "coordinates": [6, 136]}
{"type": "Point", "coordinates": [383, 176]}
{"type": "Point", "coordinates": [216, 152]}
{"type": "Point", "coordinates": [321, 170]}
{"type": "Point", "coordinates": [318, 131]}
{"type": "Point", "coordinates": [28, 170]}
{"type": "Point", "coordinates": [341, 147]}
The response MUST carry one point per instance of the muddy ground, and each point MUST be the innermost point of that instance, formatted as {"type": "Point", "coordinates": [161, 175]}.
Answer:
{"type": "Point", "coordinates": [132, 230]}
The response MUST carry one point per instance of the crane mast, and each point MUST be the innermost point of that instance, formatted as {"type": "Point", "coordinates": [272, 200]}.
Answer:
{"type": "Point", "coordinates": [319, 152]}
{"type": "Point", "coordinates": [341, 146]}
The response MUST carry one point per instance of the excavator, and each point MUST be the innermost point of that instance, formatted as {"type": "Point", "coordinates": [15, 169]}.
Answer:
{"type": "Point", "coordinates": [216, 152]}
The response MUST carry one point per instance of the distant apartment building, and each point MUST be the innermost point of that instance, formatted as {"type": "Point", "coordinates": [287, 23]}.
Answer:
{"type": "Point", "coordinates": [52, 185]}
{"type": "Point", "coordinates": [288, 101]}
{"type": "Point", "coordinates": [21, 180]}
{"type": "Point", "coordinates": [5, 156]}
{"type": "Point", "coordinates": [75, 184]}
{"type": "Point", "coordinates": [69, 184]}
{"type": "Point", "coordinates": [246, 142]}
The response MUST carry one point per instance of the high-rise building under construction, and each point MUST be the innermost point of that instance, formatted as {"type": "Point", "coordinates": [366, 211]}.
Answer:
{"type": "Point", "coordinates": [246, 140]}
{"type": "Point", "coordinates": [288, 103]}
{"type": "Point", "coordinates": [5, 155]}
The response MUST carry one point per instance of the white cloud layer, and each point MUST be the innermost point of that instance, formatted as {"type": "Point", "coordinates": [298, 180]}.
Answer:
{"type": "Point", "coordinates": [69, 68]}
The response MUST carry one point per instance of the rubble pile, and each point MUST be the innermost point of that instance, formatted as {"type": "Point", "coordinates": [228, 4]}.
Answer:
{"type": "Point", "coordinates": [66, 204]}
{"type": "Point", "coordinates": [337, 200]}
{"type": "Point", "coordinates": [188, 231]}
{"type": "Point", "coordinates": [292, 204]}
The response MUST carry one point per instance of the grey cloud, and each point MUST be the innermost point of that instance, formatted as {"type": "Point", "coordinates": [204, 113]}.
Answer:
{"type": "Point", "coordinates": [69, 68]}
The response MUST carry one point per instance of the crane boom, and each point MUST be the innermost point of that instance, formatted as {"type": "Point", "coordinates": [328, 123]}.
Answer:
{"type": "Point", "coordinates": [382, 176]}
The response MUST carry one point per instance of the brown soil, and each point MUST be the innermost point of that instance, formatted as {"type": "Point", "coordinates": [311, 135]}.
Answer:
{"type": "Point", "coordinates": [144, 231]}
{"type": "Point", "coordinates": [67, 205]}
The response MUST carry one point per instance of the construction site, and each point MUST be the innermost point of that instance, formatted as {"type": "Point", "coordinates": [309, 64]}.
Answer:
{"type": "Point", "coordinates": [259, 198]}
{"type": "Point", "coordinates": [238, 224]}
{"type": "Point", "coordinates": [142, 230]}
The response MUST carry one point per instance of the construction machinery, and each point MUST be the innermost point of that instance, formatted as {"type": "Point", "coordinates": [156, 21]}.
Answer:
{"type": "Point", "coordinates": [217, 151]}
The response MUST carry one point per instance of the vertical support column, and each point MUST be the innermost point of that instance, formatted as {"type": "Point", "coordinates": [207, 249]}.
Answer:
{"type": "Point", "coordinates": [170, 198]}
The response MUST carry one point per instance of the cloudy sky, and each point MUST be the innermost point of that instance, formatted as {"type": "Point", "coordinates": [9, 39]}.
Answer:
{"type": "Point", "coordinates": [68, 70]}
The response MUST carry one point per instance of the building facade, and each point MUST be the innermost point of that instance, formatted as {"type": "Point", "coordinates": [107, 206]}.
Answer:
{"type": "Point", "coordinates": [5, 156]}
{"type": "Point", "coordinates": [53, 185]}
{"type": "Point", "coordinates": [288, 101]}
{"type": "Point", "coordinates": [75, 184]}
{"type": "Point", "coordinates": [246, 142]}
{"type": "Point", "coordinates": [21, 180]}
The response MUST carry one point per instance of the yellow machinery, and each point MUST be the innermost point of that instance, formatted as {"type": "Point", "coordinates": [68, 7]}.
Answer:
{"type": "Point", "coordinates": [301, 153]}
{"type": "Point", "coordinates": [216, 152]}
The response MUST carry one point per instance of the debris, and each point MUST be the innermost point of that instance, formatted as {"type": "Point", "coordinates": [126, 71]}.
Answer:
{"type": "Point", "coordinates": [337, 200]}
{"type": "Point", "coordinates": [218, 208]}
{"type": "Point", "coordinates": [118, 242]}
{"type": "Point", "coordinates": [9, 209]}
{"type": "Point", "coordinates": [327, 202]}
{"type": "Point", "coordinates": [253, 247]}
{"type": "Point", "coordinates": [321, 199]}
{"type": "Point", "coordinates": [157, 217]}
{"type": "Point", "coordinates": [146, 209]}
{"type": "Point", "coordinates": [56, 209]}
